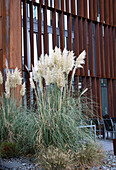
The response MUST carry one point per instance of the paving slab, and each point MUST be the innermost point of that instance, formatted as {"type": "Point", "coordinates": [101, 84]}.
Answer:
{"type": "Point", "coordinates": [107, 145]}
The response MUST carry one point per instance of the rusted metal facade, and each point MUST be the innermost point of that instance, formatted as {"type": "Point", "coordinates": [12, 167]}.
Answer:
{"type": "Point", "coordinates": [75, 25]}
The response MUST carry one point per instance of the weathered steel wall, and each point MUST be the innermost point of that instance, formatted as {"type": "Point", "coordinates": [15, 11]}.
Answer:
{"type": "Point", "coordinates": [11, 33]}
{"type": "Point", "coordinates": [1, 57]}
{"type": "Point", "coordinates": [104, 39]}
{"type": "Point", "coordinates": [93, 29]}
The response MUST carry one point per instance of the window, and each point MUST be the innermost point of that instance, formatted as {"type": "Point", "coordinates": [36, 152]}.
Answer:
{"type": "Point", "coordinates": [98, 11]}
{"type": "Point", "coordinates": [88, 49]}
{"type": "Point", "coordinates": [35, 49]}
{"type": "Point", "coordinates": [49, 18]}
{"type": "Point", "coordinates": [104, 97]}
{"type": "Point", "coordinates": [50, 44]}
{"type": "Point", "coordinates": [51, 3]}
{"type": "Point", "coordinates": [35, 16]}
{"type": "Point", "coordinates": [59, 4]}
{"type": "Point", "coordinates": [88, 8]}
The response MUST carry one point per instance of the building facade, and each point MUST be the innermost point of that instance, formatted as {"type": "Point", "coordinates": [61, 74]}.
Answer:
{"type": "Point", "coordinates": [29, 28]}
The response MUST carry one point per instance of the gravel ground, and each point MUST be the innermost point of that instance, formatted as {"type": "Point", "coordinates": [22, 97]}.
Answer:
{"type": "Point", "coordinates": [26, 164]}
{"type": "Point", "coordinates": [18, 164]}
{"type": "Point", "coordinates": [110, 161]}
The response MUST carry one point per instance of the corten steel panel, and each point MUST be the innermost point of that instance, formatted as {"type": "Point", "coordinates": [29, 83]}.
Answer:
{"type": "Point", "coordinates": [73, 6]}
{"type": "Point", "coordinates": [94, 96]}
{"type": "Point", "coordinates": [12, 33]}
{"type": "Point", "coordinates": [31, 34]}
{"type": "Point", "coordinates": [76, 40]}
{"type": "Point", "coordinates": [76, 81]}
{"type": "Point", "coordinates": [39, 32]}
{"type": "Point", "coordinates": [56, 4]}
{"type": "Point", "coordinates": [1, 66]}
{"type": "Point", "coordinates": [106, 11]}
{"type": "Point", "coordinates": [85, 46]}
{"type": "Point", "coordinates": [81, 42]}
{"type": "Point", "coordinates": [46, 2]}
{"type": "Point", "coordinates": [5, 34]}
{"type": "Point", "coordinates": [0, 33]}
{"type": "Point", "coordinates": [114, 96]}
{"type": "Point", "coordinates": [106, 50]}
{"type": "Point", "coordinates": [41, 1]}
{"type": "Point", "coordinates": [99, 98]}
{"type": "Point", "coordinates": [85, 8]}
{"type": "Point", "coordinates": [95, 9]}
{"type": "Point", "coordinates": [69, 81]}
{"type": "Point", "coordinates": [101, 7]}
{"type": "Point", "coordinates": [91, 59]}
{"type": "Point", "coordinates": [15, 55]}
{"type": "Point", "coordinates": [69, 25]}
{"type": "Point", "coordinates": [114, 48]}
{"type": "Point", "coordinates": [0, 7]}
{"type": "Point", "coordinates": [61, 30]}
{"type": "Point", "coordinates": [114, 12]}
{"type": "Point", "coordinates": [28, 94]}
{"type": "Point", "coordinates": [67, 6]}
{"type": "Point", "coordinates": [54, 36]}
{"type": "Point", "coordinates": [102, 52]}
{"type": "Point", "coordinates": [111, 12]}
{"type": "Point", "coordinates": [91, 9]}
{"type": "Point", "coordinates": [25, 32]}
{"type": "Point", "coordinates": [81, 8]}
{"type": "Point", "coordinates": [84, 84]}
{"type": "Point", "coordinates": [89, 99]}
{"type": "Point", "coordinates": [1, 60]}
{"type": "Point", "coordinates": [110, 98]}
{"type": "Point", "coordinates": [84, 96]}
{"type": "Point", "coordinates": [62, 5]}
{"type": "Point", "coordinates": [97, 44]}
{"type": "Point", "coordinates": [111, 53]}
{"type": "Point", "coordinates": [45, 32]}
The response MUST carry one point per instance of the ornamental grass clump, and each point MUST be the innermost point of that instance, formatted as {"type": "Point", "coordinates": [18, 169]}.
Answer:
{"type": "Point", "coordinates": [8, 150]}
{"type": "Point", "coordinates": [16, 122]}
{"type": "Point", "coordinates": [10, 104]}
{"type": "Point", "coordinates": [54, 158]}
{"type": "Point", "coordinates": [59, 113]}
{"type": "Point", "coordinates": [55, 117]}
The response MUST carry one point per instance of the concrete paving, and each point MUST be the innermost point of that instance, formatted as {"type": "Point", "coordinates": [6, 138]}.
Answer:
{"type": "Point", "coordinates": [107, 145]}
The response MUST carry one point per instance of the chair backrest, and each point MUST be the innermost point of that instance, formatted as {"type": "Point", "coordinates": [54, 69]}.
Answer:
{"type": "Point", "coordinates": [95, 122]}
{"type": "Point", "coordinates": [108, 124]}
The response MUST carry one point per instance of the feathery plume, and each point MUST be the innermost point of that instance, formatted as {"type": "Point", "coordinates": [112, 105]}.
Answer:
{"type": "Point", "coordinates": [1, 78]}
{"type": "Point", "coordinates": [22, 92]}
{"type": "Point", "coordinates": [7, 87]}
{"type": "Point", "coordinates": [80, 60]}
{"type": "Point", "coordinates": [32, 83]}
{"type": "Point", "coordinates": [7, 95]}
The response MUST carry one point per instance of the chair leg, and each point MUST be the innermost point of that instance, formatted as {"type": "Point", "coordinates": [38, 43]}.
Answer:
{"type": "Point", "coordinates": [100, 133]}
{"type": "Point", "coordinates": [104, 134]}
{"type": "Point", "coordinates": [113, 135]}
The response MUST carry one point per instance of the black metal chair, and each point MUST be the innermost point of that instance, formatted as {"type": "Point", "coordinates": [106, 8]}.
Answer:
{"type": "Point", "coordinates": [98, 126]}
{"type": "Point", "coordinates": [114, 122]}
{"type": "Point", "coordinates": [109, 128]}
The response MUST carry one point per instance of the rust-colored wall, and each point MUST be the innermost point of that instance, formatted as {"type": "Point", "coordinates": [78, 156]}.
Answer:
{"type": "Point", "coordinates": [105, 39]}
{"type": "Point", "coordinates": [15, 57]}
{"type": "Point", "coordinates": [1, 35]}
{"type": "Point", "coordinates": [12, 33]}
